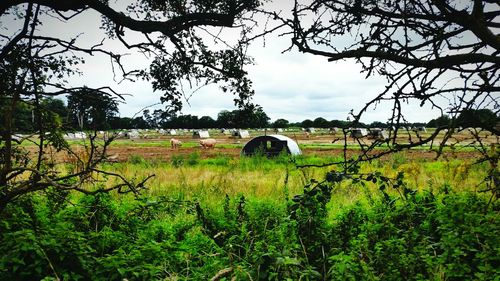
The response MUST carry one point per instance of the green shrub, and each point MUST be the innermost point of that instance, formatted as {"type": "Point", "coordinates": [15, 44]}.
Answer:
{"type": "Point", "coordinates": [100, 237]}
{"type": "Point", "coordinates": [177, 160]}
{"type": "Point", "coordinates": [451, 237]}
{"type": "Point", "coordinates": [136, 159]}
{"type": "Point", "coordinates": [193, 158]}
{"type": "Point", "coordinates": [398, 159]}
{"type": "Point", "coordinates": [220, 160]}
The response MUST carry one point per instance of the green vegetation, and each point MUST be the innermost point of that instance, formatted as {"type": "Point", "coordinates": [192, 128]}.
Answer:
{"type": "Point", "coordinates": [429, 236]}
{"type": "Point", "coordinates": [209, 180]}
{"type": "Point", "coordinates": [225, 218]}
{"type": "Point", "coordinates": [259, 219]}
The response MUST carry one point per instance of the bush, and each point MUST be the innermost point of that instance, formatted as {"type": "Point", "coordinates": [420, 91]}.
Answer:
{"type": "Point", "coordinates": [446, 236]}
{"type": "Point", "coordinates": [193, 159]}
{"type": "Point", "coordinates": [136, 159]}
{"type": "Point", "coordinates": [177, 160]}
{"type": "Point", "coordinates": [451, 238]}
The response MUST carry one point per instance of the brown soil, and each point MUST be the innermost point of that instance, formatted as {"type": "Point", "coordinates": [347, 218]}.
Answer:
{"type": "Point", "coordinates": [165, 153]}
{"type": "Point", "coordinates": [157, 150]}
{"type": "Point", "coordinates": [121, 154]}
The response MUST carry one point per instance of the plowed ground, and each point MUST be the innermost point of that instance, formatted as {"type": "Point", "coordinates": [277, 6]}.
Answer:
{"type": "Point", "coordinates": [159, 149]}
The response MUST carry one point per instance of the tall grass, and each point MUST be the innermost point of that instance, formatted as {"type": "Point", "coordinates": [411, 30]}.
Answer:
{"type": "Point", "coordinates": [188, 177]}
{"type": "Point", "coordinates": [244, 223]}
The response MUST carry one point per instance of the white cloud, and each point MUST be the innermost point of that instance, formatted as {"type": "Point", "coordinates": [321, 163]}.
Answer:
{"type": "Point", "coordinates": [291, 85]}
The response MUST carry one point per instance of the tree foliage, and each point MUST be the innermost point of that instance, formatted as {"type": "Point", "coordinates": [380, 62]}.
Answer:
{"type": "Point", "coordinates": [91, 110]}
{"type": "Point", "coordinates": [250, 117]}
{"type": "Point", "coordinates": [321, 122]}
{"type": "Point", "coordinates": [425, 49]}
{"type": "Point", "coordinates": [280, 123]}
{"type": "Point", "coordinates": [441, 121]}
{"type": "Point", "coordinates": [433, 53]}
{"type": "Point", "coordinates": [36, 64]}
{"type": "Point", "coordinates": [482, 118]}
{"type": "Point", "coordinates": [307, 123]}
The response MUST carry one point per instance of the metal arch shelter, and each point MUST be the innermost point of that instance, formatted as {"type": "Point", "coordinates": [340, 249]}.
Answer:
{"type": "Point", "coordinates": [271, 145]}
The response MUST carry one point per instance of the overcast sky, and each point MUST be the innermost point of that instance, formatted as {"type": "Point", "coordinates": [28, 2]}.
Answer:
{"type": "Point", "coordinates": [291, 85]}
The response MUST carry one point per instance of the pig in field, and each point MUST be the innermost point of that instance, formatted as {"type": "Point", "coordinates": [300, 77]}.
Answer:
{"type": "Point", "coordinates": [175, 143]}
{"type": "Point", "coordinates": [208, 143]}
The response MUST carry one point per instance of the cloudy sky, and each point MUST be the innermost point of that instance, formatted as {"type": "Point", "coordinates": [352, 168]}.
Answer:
{"type": "Point", "coordinates": [287, 85]}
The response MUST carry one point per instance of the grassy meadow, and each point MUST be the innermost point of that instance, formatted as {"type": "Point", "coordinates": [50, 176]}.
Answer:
{"type": "Point", "coordinates": [209, 180]}
{"type": "Point", "coordinates": [253, 218]}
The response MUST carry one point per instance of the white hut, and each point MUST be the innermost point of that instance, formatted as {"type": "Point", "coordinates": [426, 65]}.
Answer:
{"type": "Point", "coordinates": [378, 134]}
{"type": "Point", "coordinates": [271, 145]}
{"type": "Point", "coordinates": [133, 134]}
{"type": "Point", "coordinates": [358, 133]}
{"type": "Point", "coordinates": [242, 134]}
{"type": "Point", "coordinates": [199, 134]}
{"type": "Point", "coordinates": [75, 135]}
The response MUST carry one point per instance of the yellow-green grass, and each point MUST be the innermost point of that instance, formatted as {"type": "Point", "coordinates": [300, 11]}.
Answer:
{"type": "Point", "coordinates": [209, 180]}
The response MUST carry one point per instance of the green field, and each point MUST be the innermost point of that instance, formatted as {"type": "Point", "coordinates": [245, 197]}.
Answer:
{"type": "Point", "coordinates": [209, 180]}
{"type": "Point", "coordinates": [253, 218]}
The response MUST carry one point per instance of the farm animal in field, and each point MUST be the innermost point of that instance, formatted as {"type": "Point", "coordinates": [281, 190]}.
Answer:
{"type": "Point", "coordinates": [307, 134]}
{"type": "Point", "coordinates": [175, 143]}
{"type": "Point", "coordinates": [208, 143]}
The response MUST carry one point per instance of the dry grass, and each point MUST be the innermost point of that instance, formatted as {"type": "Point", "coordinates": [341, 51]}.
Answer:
{"type": "Point", "coordinates": [208, 181]}
{"type": "Point", "coordinates": [212, 183]}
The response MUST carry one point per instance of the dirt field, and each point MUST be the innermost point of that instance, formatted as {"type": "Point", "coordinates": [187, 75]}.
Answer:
{"type": "Point", "coordinates": [319, 145]}
{"type": "Point", "coordinates": [165, 153]}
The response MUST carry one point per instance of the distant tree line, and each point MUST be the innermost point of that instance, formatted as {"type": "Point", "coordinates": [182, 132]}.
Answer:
{"type": "Point", "coordinates": [250, 117]}
{"type": "Point", "coordinates": [482, 118]}
{"type": "Point", "coordinates": [87, 110]}
{"type": "Point", "coordinates": [321, 122]}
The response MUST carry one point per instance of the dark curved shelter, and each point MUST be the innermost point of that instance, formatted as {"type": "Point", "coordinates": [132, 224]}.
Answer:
{"type": "Point", "coordinates": [271, 145]}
